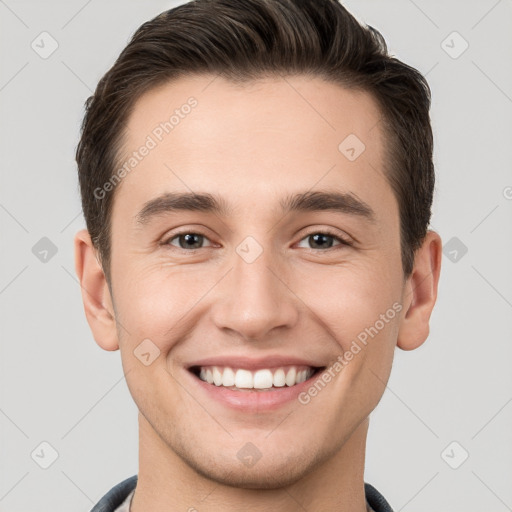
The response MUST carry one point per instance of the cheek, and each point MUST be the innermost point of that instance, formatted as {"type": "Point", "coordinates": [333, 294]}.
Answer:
{"type": "Point", "coordinates": [154, 302]}
{"type": "Point", "coordinates": [159, 300]}
{"type": "Point", "coordinates": [349, 299]}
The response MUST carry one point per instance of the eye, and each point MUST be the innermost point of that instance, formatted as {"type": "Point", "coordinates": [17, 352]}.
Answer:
{"type": "Point", "coordinates": [187, 240]}
{"type": "Point", "coordinates": [323, 240]}
{"type": "Point", "coordinates": [191, 241]}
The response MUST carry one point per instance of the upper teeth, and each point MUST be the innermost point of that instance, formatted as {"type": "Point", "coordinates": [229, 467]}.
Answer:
{"type": "Point", "coordinates": [260, 379]}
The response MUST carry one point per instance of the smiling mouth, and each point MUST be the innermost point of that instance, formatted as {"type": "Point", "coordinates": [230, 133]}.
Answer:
{"type": "Point", "coordinates": [265, 379]}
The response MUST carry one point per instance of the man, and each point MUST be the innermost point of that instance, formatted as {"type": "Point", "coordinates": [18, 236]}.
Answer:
{"type": "Point", "coordinates": [257, 182]}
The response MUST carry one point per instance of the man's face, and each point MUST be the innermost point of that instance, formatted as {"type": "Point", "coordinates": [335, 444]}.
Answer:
{"type": "Point", "coordinates": [255, 287]}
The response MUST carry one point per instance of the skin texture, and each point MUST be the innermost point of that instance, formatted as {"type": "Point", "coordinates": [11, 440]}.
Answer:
{"type": "Point", "coordinates": [253, 144]}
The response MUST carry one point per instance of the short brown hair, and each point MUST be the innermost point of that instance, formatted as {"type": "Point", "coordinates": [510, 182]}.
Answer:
{"type": "Point", "coordinates": [242, 40]}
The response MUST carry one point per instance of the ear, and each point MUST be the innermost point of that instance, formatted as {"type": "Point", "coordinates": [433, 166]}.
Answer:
{"type": "Point", "coordinates": [95, 293]}
{"type": "Point", "coordinates": [420, 293]}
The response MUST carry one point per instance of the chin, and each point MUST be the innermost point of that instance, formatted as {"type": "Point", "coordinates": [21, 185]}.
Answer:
{"type": "Point", "coordinates": [268, 473]}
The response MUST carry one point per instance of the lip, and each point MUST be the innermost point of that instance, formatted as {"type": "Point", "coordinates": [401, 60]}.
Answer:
{"type": "Point", "coordinates": [253, 364]}
{"type": "Point", "coordinates": [251, 400]}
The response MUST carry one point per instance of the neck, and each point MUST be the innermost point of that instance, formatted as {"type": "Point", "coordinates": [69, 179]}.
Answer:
{"type": "Point", "coordinates": [167, 484]}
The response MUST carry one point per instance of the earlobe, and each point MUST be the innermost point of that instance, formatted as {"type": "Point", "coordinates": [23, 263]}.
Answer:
{"type": "Point", "coordinates": [95, 292]}
{"type": "Point", "coordinates": [420, 293]}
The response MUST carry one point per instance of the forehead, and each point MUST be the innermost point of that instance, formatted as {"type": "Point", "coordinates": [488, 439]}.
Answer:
{"type": "Point", "coordinates": [250, 141]}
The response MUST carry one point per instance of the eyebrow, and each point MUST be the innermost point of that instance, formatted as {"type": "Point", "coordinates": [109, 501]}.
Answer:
{"type": "Point", "coordinates": [310, 201]}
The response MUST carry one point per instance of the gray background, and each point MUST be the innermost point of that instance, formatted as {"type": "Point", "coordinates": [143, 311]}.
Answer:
{"type": "Point", "coordinates": [57, 386]}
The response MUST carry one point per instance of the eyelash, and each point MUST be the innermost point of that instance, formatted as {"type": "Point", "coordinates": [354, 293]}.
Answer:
{"type": "Point", "coordinates": [343, 241]}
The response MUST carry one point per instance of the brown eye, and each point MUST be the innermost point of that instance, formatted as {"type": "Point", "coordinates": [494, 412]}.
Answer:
{"type": "Point", "coordinates": [323, 240]}
{"type": "Point", "coordinates": [188, 240]}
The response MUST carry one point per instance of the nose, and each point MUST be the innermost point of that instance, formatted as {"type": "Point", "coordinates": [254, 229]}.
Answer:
{"type": "Point", "coordinates": [254, 299]}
